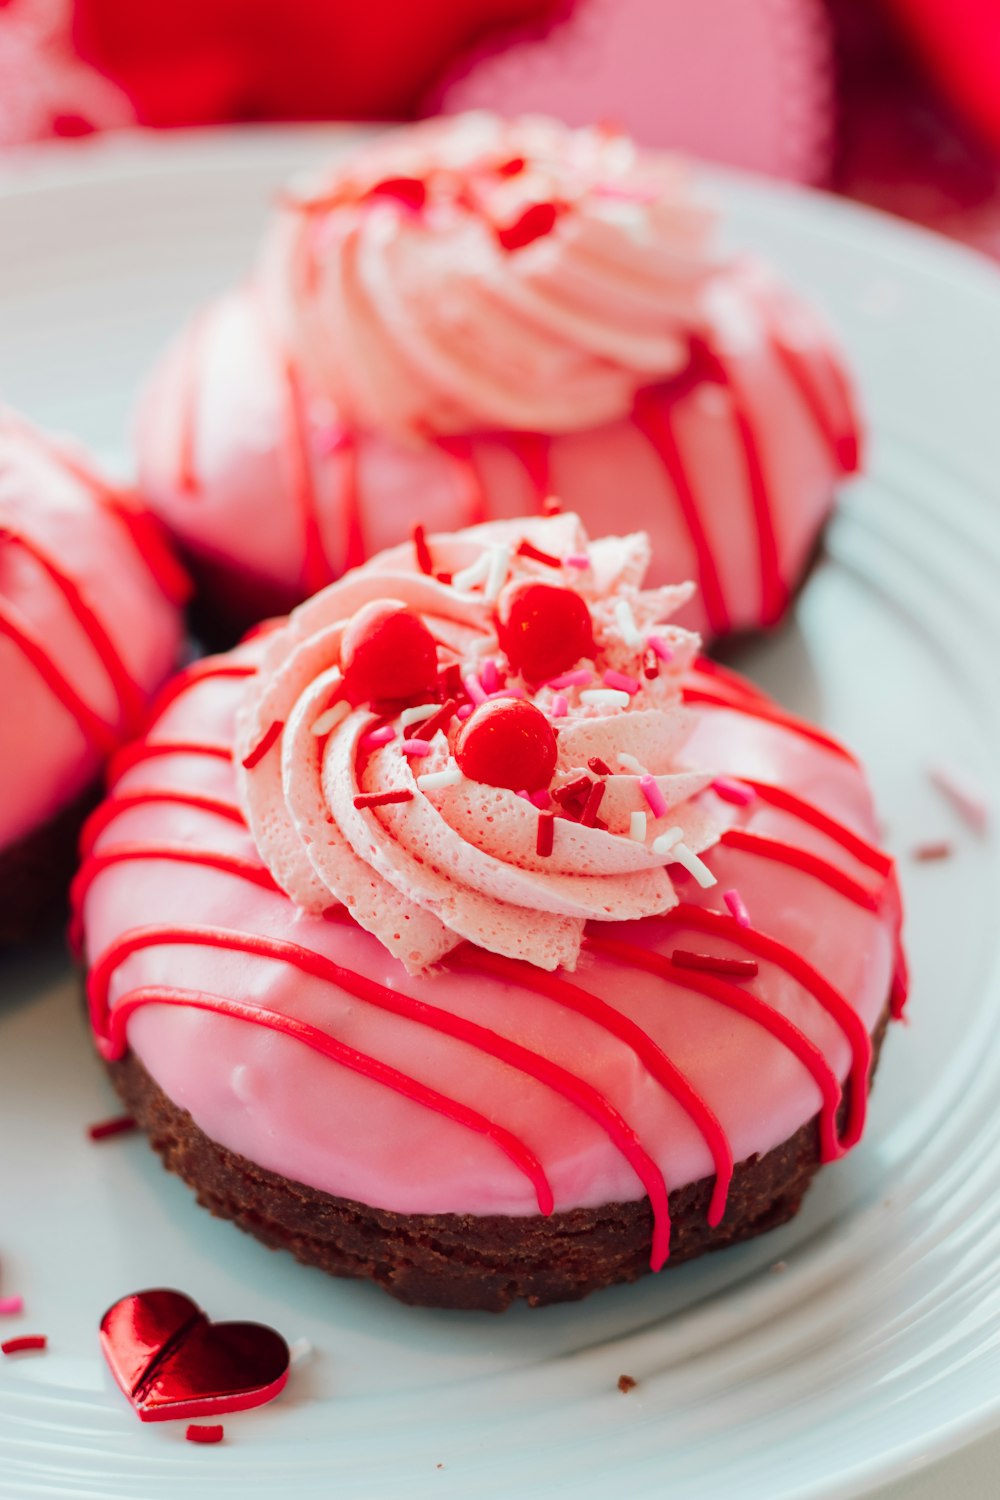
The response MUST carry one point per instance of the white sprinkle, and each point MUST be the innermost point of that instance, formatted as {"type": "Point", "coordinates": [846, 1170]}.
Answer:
{"type": "Point", "coordinates": [964, 794]}
{"type": "Point", "coordinates": [694, 866]}
{"type": "Point", "coordinates": [299, 1350]}
{"type": "Point", "coordinates": [475, 573]}
{"type": "Point", "coordinates": [430, 782]}
{"type": "Point", "coordinates": [605, 697]}
{"type": "Point", "coordinates": [631, 764]}
{"type": "Point", "coordinates": [637, 827]}
{"type": "Point", "coordinates": [333, 716]}
{"type": "Point", "coordinates": [499, 567]}
{"type": "Point", "coordinates": [625, 620]}
{"type": "Point", "coordinates": [418, 715]}
{"type": "Point", "coordinates": [667, 843]}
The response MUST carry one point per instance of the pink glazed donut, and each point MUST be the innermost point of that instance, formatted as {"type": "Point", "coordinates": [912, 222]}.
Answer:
{"type": "Point", "coordinates": [90, 627]}
{"type": "Point", "coordinates": [469, 316]}
{"type": "Point", "coordinates": [496, 987]}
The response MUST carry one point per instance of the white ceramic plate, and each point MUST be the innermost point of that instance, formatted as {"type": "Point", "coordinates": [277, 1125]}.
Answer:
{"type": "Point", "coordinates": [878, 1344]}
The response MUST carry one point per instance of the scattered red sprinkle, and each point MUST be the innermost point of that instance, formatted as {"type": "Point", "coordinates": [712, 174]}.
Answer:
{"type": "Point", "coordinates": [429, 728]}
{"type": "Point", "coordinates": [410, 191]}
{"type": "Point", "coordinates": [24, 1343]}
{"type": "Point", "coordinates": [120, 1125]}
{"type": "Point", "coordinates": [537, 220]}
{"type": "Point", "coordinates": [511, 167]}
{"type": "Point", "coordinates": [450, 682]}
{"type": "Point", "coordinates": [573, 791]}
{"type": "Point", "coordinates": [444, 577]}
{"type": "Point", "coordinates": [528, 549]}
{"type": "Point", "coordinates": [626, 1383]}
{"type": "Point", "coordinates": [736, 968]}
{"type": "Point", "coordinates": [589, 815]}
{"type": "Point", "coordinates": [650, 663]}
{"type": "Point", "coordinates": [196, 1434]}
{"type": "Point", "coordinates": [382, 799]}
{"type": "Point", "coordinates": [424, 560]}
{"type": "Point", "coordinates": [598, 766]}
{"type": "Point", "coordinates": [546, 833]}
{"type": "Point", "coordinates": [263, 745]}
{"type": "Point", "coordinates": [551, 506]}
{"type": "Point", "coordinates": [940, 850]}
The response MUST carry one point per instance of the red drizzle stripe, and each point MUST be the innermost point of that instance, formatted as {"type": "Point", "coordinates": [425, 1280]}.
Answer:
{"type": "Point", "coordinates": [763, 708]}
{"type": "Point", "coordinates": [199, 671]}
{"type": "Point", "coordinates": [745, 1003]}
{"type": "Point", "coordinates": [110, 1028]}
{"type": "Point", "coordinates": [103, 737]}
{"type": "Point", "coordinates": [131, 697]}
{"type": "Point", "coordinates": [900, 984]}
{"type": "Point", "coordinates": [348, 1057]}
{"type": "Point", "coordinates": [853, 843]}
{"type": "Point", "coordinates": [706, 666]}
{"type": "Point", "coordinates": [460, 449]}
{"type": "Point", "coordinates": [316, 569]}
{"type": "Point", "coordinates": [113, 805]}
{"type": "Point", "coordinates": [149, 538]}
{"type": "Point", "coordinates": [654, 1059]}
{"type": "Point", "coordinates": [534, 450]}
{"type": "Point", "coordinates": [700, 919]}
{"type": "Point", "coordinates": [263, 745]}
{"type": "Point", "coordinates": [801, 859]}
{"type": "Point", "coordinates": [842, 442]}
{"type": "Point", "coordinates": [773, 590]}
{"type": "Point", "coordinates": [143, 750]}
{"type": "Point", "coordinates": [651, 414]}
{"type": "Point", "coordinates": [713, 963]}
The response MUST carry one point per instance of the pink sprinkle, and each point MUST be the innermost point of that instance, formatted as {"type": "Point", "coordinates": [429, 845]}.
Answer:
{"type": "Point", "coordinates": [653, 795]}
{"type": "Point", "coordinates": [11, 1306]}
{"type": "Point", "coordinates": [524, 793]}
{"type": "Point", "coordinates": [658, 644]}
{"type": "Point", "coordinates": [559, 707]}
{"type": "Point", "coordinates": [416, 747]}
{"type": "Point", "coordinates": [489, 676]}
{"type": "Point", "coordinates": [474, 688]}
{"type": "Point", "coordinates": [576, 560]}
{"type": "Point", "coordinates": [541, 800]}
{"type": "Point", "coordinates": [376, 737]}
{"type": "Point", "coordinates": [620, 680]}
{"type": "Point", "coordinates": [464, 711]}
{"type": "Point", "coordinates": [731, 790]}
{"type": "Point", "coordinates": [737, 907]}
{"type": "Point", "coordinates": [964, 795]}
{"type": "Point", "coordinates": [579, 678]}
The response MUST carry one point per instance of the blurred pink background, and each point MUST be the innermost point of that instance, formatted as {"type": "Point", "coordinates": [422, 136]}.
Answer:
{"type": "Point", "coordinates": [894, 102]}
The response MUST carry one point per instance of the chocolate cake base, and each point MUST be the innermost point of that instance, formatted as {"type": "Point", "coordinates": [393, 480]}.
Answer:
{"type": "Point", "coordinates": [462, 1260]}
{"type": "Point", "coordinates": [35, 873]}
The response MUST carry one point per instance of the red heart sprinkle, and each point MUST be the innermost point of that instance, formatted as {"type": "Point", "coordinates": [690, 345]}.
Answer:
{"type": "Point", "coordinates": [387, 652]}
{"type": "Point", "coordinates": [544, 629]}
{"type": "Point", "coordinates": [171, 1362]}
{"type": "Point", "coordinates": [537, 220]}
{"type": "Point", "coordinates": [507, 742]}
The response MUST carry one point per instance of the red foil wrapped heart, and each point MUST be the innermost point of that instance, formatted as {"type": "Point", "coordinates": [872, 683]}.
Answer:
{"type": "Point", "coordinates": [171, 1362]}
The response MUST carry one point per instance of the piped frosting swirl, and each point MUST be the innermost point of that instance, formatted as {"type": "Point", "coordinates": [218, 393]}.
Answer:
{"type": "Point", "coordinates": [364, 804]}
{"type": "Point", "coordinates": [475, 273]}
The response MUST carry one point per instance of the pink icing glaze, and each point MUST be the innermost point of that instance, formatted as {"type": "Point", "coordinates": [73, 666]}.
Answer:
{"type": "Point", "coordinates": [825, 922]}
{"type": "Point", "coordinates": [270, 451]}
{"type": "Point", "coordinates": [88, 624]}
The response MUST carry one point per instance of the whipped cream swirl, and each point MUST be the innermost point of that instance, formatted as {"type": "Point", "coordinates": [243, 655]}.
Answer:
{"type": "Point", "coordinates": [344, 811]}
{"type": "Point", "coordinates": [472, 273]}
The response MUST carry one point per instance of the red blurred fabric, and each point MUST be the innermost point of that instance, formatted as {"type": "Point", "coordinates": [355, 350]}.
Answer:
{"type": "Point", "coordinates": [185, 62]}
